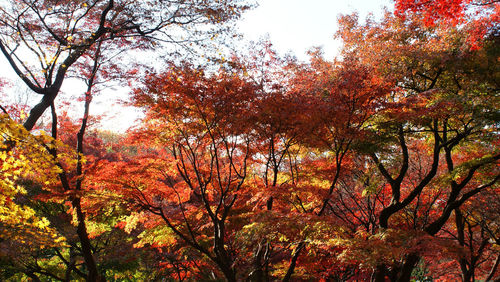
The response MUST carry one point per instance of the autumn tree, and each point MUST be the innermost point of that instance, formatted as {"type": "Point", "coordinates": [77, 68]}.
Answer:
{"type": "Point", "coordinates": [24, 230]}
{"type": "Point", "coordinates": [184, 184]}
{"type": "Point", "coordinates": [434, 86]}
{"type": "Point", "coordinates": [223, 150]}
{"type": "Point", "coordinates": [49, 200]}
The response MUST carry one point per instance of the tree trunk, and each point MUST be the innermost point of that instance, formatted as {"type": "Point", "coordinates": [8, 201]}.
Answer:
{"type": "Point", "coordinates": [293, 262]}
{"type": "Point", "coordinates": [410, 263]}
{"type": "Point", "coordinates": [81, 230]}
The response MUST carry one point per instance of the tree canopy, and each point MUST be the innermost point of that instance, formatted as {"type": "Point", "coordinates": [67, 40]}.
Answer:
{"type": "Point", "coordinates": [381, 164]}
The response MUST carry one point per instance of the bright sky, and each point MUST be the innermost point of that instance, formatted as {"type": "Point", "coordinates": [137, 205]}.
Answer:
{"type": "Point", "coordinates": [297, 25]}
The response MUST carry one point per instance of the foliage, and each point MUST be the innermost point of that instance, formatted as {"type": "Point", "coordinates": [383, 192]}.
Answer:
{"type": "Point", "coordinates": [28, 160]}
{"type": "Point", "coordinates": [382, 164]}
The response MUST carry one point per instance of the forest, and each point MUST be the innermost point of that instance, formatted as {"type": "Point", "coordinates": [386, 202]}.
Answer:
{"type": "Point", "coordinates": [381, 164]}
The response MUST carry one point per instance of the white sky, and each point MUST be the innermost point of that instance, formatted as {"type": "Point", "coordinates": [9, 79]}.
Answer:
{"type": "Point", "coordinates": [298, 25]}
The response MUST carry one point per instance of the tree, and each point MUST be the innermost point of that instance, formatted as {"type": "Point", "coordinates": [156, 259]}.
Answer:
{"type": "Point", "coordinates": [432, 100]}
{"type": "Point", "coordinates": [24, 230]}
{"type": "Point", "coordinates": [190, 174]}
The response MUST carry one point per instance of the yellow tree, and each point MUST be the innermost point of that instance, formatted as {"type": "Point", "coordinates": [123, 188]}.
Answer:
{"type": "Point", "coordinates": [24, 156]}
